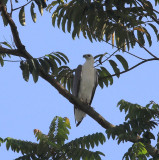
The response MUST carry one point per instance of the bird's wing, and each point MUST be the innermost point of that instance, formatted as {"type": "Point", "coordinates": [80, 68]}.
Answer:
{"type": "Point", "coordinates": [76, 81]}
{"type": "Point", "coordinates": [95, 85]}
{"type": "Point", "coordinates": [75, 91]}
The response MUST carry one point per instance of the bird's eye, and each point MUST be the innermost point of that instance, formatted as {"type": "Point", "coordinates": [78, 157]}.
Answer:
{"type": "Point", "coordinates": [89, 55]}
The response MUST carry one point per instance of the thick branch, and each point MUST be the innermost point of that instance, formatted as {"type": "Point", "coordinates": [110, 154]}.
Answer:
{"type": "Point", "coordinates": [15, 34]}
{"type": "Point", "coordinates": [14, 52]}
{"type": "Point", "coordinates": [87, 109]}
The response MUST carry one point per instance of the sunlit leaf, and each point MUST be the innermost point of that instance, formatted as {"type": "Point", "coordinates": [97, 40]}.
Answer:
{"type": "Point", "coordinates": [22, 16]}
{"type": "Point", "coordinates": [33, 14]}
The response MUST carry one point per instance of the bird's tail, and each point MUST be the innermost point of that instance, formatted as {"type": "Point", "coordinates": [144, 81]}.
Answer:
{"type": "Point", "coordinates": [79, 115]}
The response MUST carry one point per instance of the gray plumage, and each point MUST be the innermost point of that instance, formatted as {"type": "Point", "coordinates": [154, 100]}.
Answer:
{"type": "Point", "coordinates": [84, 85]}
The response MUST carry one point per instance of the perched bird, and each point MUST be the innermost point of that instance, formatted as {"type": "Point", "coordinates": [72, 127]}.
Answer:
{"type": "Point", "coordinates": [84, 85]}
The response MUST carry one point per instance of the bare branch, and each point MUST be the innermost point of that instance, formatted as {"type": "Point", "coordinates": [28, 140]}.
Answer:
{"type": "Point", "coordinates": [147, 60]}
{"type": "Point", "coordinates": [11, 8]}
{"type": "Point", "coordinates": [124, 51]}
{"type": "Point", "coordinates": [108, 57]}
{"type": "Point", "coordinates": [15, 34]}
{"type": "Point", "coordinates": [145, 48]}
{"type": "Point", "coordinates": [14, 52]}
{"type": "Point", "coordinates": [21, 6]}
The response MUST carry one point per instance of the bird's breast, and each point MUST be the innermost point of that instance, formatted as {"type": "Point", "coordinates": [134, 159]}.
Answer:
{"type": "Point", "coordinates": [87, 83]}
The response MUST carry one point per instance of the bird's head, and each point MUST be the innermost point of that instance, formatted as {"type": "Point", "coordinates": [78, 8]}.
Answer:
{"type": "Point", "coordinates": [88, 57]}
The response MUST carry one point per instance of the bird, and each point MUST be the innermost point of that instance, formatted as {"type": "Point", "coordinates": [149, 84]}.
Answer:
{"type": "Point", "coordinates": [84, 85]}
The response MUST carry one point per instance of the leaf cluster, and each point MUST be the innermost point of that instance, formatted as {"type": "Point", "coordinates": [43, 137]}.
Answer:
{"type": "Point", "coordinates": [2, 55]}
{"type": "Point", "coordinates": [41, 4]}
{"type": "Point", "coordinates": [119, 21]}
{"type": "Point", "coordinates": [52, 63]}
{"type": "Point", "coordinates": [49, 63]}
{"type": "Point", "coordinates": [53, 145]}
{"type": "Point", "coordinates": [139, 122]}
{"type": "Point", "coordinates": [105, 77]}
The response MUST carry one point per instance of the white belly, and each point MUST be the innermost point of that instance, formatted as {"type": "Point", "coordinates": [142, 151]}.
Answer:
{"type": "Point", "coordinates": [87, 83]}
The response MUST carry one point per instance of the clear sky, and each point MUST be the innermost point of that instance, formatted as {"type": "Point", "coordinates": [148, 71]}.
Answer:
{"type": "Point", "coordinates": [25, 106]}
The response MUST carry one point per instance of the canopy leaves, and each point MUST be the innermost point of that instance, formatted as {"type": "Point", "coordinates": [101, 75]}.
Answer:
{"type": "Point", "coordinates": [53, 144]}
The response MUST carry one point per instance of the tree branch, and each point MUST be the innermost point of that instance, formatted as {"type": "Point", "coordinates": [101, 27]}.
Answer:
{"type": "Point", "coordinates": [124, 51]}
{"type": "Point", "coordinates": [21, 6]}
{"type": "Point", "coordinates": [108, 57]}
{"type": "Point", "coordinates": [14, 52]}
{"type": "Point", "coordinates": [84, 107]}
{"type": "Point", "coordinates": [145, 48]}
{"type": "Point", "coordinates": [147, 60]}
{"type": "Point", "coordinates": [11, 8]}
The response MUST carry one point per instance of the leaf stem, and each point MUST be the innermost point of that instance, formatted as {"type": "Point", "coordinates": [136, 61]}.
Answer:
{"type": "Point", "coordinates": [147, 60]}
{"type": "Point", "coordinates": [11, 8]}
{"type": "Point", "coordinates": [145, 48]}
{"type": "Point", "coordinates": [124, 51]}
{"type": "Point", "coordinates": [21, 6]}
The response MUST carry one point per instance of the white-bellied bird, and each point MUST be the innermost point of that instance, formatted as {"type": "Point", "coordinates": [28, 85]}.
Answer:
{"type": "Point", "coordinates": [84, 85]}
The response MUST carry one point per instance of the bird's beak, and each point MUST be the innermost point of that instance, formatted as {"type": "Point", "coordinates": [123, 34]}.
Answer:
{"type": "Point", "coordinates": [84, 56]}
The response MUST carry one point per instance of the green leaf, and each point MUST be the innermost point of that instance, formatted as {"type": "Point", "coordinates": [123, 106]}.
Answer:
{"type": "Point", "coordinates": [35, 75]}
{"type": "Point", "coordinates": [44, 5]}
{"type": "Point", "coordinates": [140, 37]}
{"type": "Point", "coordinates": [6, 44]}
{"type": "Point", "coordinates": [35, 71]}
{"type": "Point", "coordinates": [33, 14]}
{"type": "Point", "coordinates": [40, 9]}
{"type": "Point", "coordinates": [53, 65]}
{"type": "Point", "coordinates": [1, 141]}
{"type": "Point", "coordinates": [123, 61]}
{"type": "Point", "coordinates": [55, 58]}
{"type": "Point", "coordinates": [63, 55]}
{"type": "Point", "coordinates": [1, 61]}
{"type": "Point", "coordinates": [45, 65]}
{"type": "Point", "coordinates": [22, 16]}
{"type": "Point", "coordinates": [106, 73]}
{"type": "Point", "coordinates": [60, 57]}
{"type": "Point", "coordinates": [25, 70]}
{"type": "Point", "coordinates": [40, 5]}
{"type": "Point", "coordinates": [30, 62]}
{"type": "Point", "coordinates": [115, 68]}
{"type": "Point", "coordinates": [50, 6]}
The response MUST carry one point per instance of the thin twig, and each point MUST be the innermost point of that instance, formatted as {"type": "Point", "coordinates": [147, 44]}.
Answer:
{"type": "Point", "coordinates": [147, 60]}
{"type": "Point", "coordinates": [21, 6]}
{"type": "Point", "coordinates": [156, 20]}
{"type": "Point", "coordinates": [107, 57]}
{"type": "Point", "coordinates": [124, 51]}
{"type": "Point", "coordinates": [11, 8]}
{"type": "Point", "coordinates": [145, 48]}
{"type": "Point", "coordinates": [147, 6]}
{"type": "Point", "coordinates": [11, 60]}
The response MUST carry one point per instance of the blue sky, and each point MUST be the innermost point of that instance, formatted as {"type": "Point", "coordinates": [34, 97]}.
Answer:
{"type": "Point", "coordinates": [26, 106]}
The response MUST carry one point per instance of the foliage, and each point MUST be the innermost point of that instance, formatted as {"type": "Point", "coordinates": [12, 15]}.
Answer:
{"type": "Point", "coordinates": [119, 21]}
{"type": "Point", "coordinates": [124, 23]}
{"type": "Point", "coordinates": [2, 55]}
{"type": "Point", "coordinates": [64, 74]}
{"type": "Point", "coordinates": [139, 122]}
{"type": "Point", "coordinates": [54, 146]}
